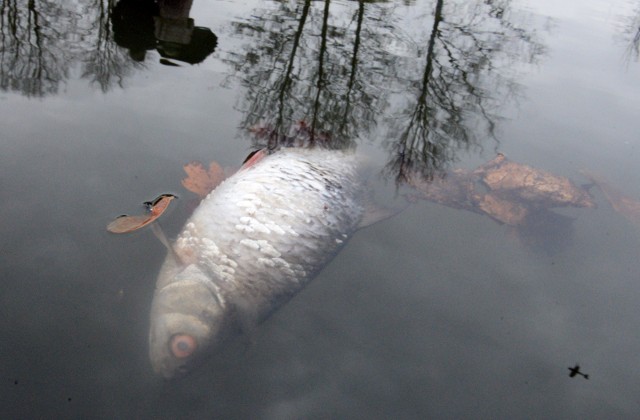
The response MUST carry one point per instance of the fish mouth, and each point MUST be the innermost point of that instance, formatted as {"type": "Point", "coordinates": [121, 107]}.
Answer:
{"type": "Point", "coordinates": [177, 372]}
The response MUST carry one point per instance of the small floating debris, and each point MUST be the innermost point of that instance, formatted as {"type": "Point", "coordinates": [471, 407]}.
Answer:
{"type": "Point", "coordinates": [575, 371]}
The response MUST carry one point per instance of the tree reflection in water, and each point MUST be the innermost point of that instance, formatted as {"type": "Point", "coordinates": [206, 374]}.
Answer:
{"type": "Point", "coordinates": [342, 67]}
{"type": "Point", "coordinates": [432, 84]}
{"type": "Point", "coordinates": [42, 42]}
{"type": "Point", "coordinates": [345, 68]}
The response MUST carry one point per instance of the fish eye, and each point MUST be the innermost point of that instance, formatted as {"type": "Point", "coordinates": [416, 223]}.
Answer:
{"type": "Point", "coordinates": [182, 345]}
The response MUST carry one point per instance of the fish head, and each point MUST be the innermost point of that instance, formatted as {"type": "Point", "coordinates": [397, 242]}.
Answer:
{"type": "Point", "coordinates": [187, 319]}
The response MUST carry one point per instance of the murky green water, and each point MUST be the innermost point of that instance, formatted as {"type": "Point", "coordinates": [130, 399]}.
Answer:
{"type": "Point", "coordinates": [437, 312]}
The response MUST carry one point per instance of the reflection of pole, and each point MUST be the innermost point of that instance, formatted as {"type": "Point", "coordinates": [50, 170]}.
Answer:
{"type": "Point", "coordinates": [354, 65]}
{"type": "Point", "coordinates": [321, 82]}
{"type": "Point", "coordinates": [286, 84]}
{"type": "Point", "coordinates": [633, 50]}
{"type": "Point", "coordinates": [38, 43]}
{"type": "Point", "coordinates": [101, 62]}
{"type": "Point", "coordinates": [437, 18]}
{"type": "Point", "coordinates": [407, 143]}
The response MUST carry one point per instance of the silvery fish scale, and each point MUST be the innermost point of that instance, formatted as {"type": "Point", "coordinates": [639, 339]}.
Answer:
{"type": "Point", "coordinates": [252, 244]}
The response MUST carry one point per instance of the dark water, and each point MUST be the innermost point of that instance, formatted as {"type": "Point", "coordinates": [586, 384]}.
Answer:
{"type": "Point", "coordinates": [435, 313]}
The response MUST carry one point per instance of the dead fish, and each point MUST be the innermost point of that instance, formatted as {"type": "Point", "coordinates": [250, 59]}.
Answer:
{"type": "Point", "coordinates": [254, 242]}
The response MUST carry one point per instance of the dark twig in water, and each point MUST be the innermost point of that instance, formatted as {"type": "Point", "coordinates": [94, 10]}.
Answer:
{"type": "Point", "coordinates": [573, 371]}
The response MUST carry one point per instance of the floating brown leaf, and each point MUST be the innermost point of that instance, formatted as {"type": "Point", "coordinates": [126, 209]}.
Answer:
{"type": "Point", "coordinates": [508, 192]}
{"type": "Point", "coordinates": [504, 211]}
{"type": "Point", "coordinates": [200, 180]}
{"type": "Point", "coordinates": [534, 186]}
{"type": "Point", "coordinates": [126, 224]}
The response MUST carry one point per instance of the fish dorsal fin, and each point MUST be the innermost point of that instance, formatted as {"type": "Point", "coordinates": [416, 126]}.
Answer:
{"type": "Point", "coordinates": [253, 158]}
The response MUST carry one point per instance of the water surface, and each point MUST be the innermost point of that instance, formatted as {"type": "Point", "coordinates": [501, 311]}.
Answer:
{"type": "Point", "coordinates": [434, 313]}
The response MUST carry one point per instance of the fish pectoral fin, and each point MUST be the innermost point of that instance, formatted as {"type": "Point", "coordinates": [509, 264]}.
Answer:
{"type": "Point", "coordinates": [159, 233]}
